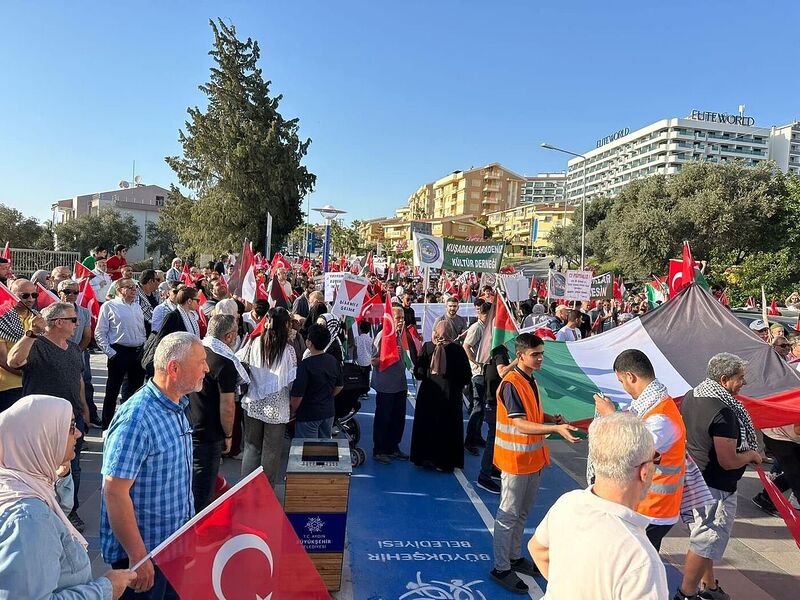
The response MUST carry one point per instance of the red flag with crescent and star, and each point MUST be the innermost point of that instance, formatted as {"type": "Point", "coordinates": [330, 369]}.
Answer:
{"type": "Point", "coordinates": [241, 546]}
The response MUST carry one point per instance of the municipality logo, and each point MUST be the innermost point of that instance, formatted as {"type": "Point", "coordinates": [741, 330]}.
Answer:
{"type": "Point", "coordinates": [315, 525]}
{"type": "Point", "coordinates": [455, 589]}
{"type": "Point", "coordinates": [428, 251]}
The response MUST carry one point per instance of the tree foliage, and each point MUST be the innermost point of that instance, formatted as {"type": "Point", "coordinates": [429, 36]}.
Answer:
{"type": "Point", "coordinates": [742, 220]}
{"type": "Point", "coordinates": [106, 229]}
{"type": "Point", "coordinates": [241, 157]}
{"type": "Point", "coordinates": [23, 232]}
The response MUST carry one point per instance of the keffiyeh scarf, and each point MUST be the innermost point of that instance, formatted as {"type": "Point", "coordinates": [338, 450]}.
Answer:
{"type": "Point", "coordinates": [709, 388]}
{"type": "Point", "coordinates": [219, 347]}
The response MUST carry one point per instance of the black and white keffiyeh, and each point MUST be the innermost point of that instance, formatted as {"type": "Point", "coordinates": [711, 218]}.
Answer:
{"type": "Point", "coordinates": [190, 321]}
{"type": "Point", "coordinates": [219, 347]}
{"type": "Point", "coordinates": [654, 393]}
{"type": "Point", "coordinates": [708, 388]}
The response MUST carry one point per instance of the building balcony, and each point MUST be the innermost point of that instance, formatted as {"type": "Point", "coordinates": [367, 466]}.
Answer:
{"type": "Point", "coordinates": [491, 175]}
{"type": "Point", "coordinates": [491, 188]}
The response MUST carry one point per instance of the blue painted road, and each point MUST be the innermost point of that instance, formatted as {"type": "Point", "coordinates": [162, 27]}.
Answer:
{"type": "Point", "coordinates": [417, 534]}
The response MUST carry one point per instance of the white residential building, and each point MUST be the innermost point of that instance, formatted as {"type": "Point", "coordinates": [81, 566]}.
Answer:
{"type": "Point", "coordinates": [143, 202]}
{"type": "Point", "coordinates": [665, 146]}
{"type": "Point", "coordinates": [544, 188]}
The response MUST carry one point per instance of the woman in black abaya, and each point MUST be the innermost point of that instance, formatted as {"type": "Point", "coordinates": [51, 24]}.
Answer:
{"type": "Point", "coordinates": [437, 439]}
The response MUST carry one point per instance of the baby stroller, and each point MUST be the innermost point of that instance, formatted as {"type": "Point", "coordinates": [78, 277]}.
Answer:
{"type": "Point", "coordinates": [347, 404]}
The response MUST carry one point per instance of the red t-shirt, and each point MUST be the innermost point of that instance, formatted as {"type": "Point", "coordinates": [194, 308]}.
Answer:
{"type": "Point", "coordinates": [115, 262]}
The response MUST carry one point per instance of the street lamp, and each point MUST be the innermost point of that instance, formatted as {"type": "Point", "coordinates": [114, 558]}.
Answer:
{"type": "Point", "coordinates": [583, 200]}
{"type": "Point", "coordinates": [328, 213]}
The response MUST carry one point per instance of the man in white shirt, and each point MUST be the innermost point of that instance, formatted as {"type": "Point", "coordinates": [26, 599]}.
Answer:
{"type": "Point", "coordinates": [101, 280]}
{"type": "Point", "coordinates": [570, 331]}
{"type": "Point", "coordinates": [120, 333]}
{"type": "Point", "coordinates": [592, 542]}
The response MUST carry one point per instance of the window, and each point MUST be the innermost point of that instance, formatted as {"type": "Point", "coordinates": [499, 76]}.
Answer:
{"type": "Point", "coordinates": [548, 218]}
{"type": "Point", "coordinates": [159, 200]}
{"type": "Point", "coordinates": [462, 228]}
{"type": "Point", "coordinates": [476, 183]}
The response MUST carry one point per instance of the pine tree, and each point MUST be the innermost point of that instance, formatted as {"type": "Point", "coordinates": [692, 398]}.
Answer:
{"type": "Point", "coordinates": [241, 158]}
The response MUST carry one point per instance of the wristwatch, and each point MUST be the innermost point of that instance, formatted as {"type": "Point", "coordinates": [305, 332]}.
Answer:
{"type": "Point", "coordinates": [30, 333]}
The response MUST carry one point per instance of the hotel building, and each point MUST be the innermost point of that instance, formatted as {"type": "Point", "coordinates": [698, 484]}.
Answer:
{"type": "Point", "coordinates": [665, 146]}
{"type": "Point", "coordinates": [544, 188]}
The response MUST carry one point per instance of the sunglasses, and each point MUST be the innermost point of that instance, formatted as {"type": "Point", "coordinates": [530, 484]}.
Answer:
{"type": "Point", "coordinates": [70, 292]}
{"type": "Point", "coordinates": [26, 295]}
{"type": "Point", "coordinates": [783, 345]}
{"type": "Point", "coordinates": [70, 319]}
{"type": "Point", "coordinates": [656, 460]}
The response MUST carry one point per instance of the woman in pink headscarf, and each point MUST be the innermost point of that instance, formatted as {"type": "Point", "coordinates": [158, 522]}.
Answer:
{"type": "Point", "coordinates": [41, 554]}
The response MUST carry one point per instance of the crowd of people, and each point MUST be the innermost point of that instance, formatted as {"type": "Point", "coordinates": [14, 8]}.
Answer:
{"type": "Point", "coordinates": [196, 374]}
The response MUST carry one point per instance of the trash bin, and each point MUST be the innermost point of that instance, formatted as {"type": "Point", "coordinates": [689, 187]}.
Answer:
{"type": "Point", "coordinates": [315, 501]}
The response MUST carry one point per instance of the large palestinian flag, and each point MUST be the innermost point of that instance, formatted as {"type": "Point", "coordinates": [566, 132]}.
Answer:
{"type": "Point", "coordinates": [679, 338]}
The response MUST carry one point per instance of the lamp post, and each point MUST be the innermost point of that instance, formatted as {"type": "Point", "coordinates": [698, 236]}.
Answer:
{"type": "Point", "coordinates": [328, 213]}
{"type": "Point", "coordinates": [583, 199]}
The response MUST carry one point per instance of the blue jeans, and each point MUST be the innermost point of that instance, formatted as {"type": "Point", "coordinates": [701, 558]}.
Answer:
{"type": "Point", "coordinates": [313, 429]}
{"type": "Point", "coordinates": [390, 421]}
{"type": "Point", "coordinates": [75, 463]}
{"type": "Point", "coordinates": [487, 460]}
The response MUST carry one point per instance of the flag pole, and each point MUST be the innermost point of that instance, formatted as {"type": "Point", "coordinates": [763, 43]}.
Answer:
{"type": "Point", "coordinates": [244, 481]}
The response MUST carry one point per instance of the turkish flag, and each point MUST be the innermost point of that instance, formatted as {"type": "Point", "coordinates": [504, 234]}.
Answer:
{"type": "Point", "coordinates": [687, 265]}
{"type": "Point", "coordinates": [390, 351]}
{"type": "Point", "coordinates": [186, 276]}
{"type": "Point", "coordinates": [790, 516]}
{"type": "Point", "coordinates": [241, 546]}
{"type": "Point", "coordinates": [46, 297]}
{"type": "Point", "coordinates": [277, 295]}
{"type": "Point", "coordinates": [88, 300]}
{"type": "Point", "coordinates": [202, 320]}
{"type": "Point", "coordinates": [81, 272]}
{"type": "Point", "coordinates": [773, 310]}
{"type": "Point", "coordinates": [7, 252]}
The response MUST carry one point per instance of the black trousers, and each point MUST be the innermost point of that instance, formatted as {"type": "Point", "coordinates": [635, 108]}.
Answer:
{"type": "Point", "coordinates": [205, 457]}
{"type": "Point", "coordinates": [476, 418]}
{"type": "Point", "coordinates": [161, 589]}
{"type": "Point", "coordinates": [656, 533]}
{"type": "Point", "coordinates": [127, 361]}
{"type": "Point", "coordinates": [390, 422]}
{"type": "Point", "coordinates": [788, 455]}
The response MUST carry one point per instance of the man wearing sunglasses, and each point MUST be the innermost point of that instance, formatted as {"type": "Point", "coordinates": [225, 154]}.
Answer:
{"type": "Point", "coordinates": [68, 291]}
{"type": "Point", "coordinates": [653, 404]}
{"type": "Point", "coordinates": [53, 365]}
{"type": "Point", "coordinates": [11, 379]}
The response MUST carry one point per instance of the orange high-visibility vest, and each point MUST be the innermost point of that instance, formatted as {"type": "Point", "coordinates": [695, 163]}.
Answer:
{"type": "Point", "coordinates": [663, 500]}
{"type": "Point", "coordinates": [515, 452]}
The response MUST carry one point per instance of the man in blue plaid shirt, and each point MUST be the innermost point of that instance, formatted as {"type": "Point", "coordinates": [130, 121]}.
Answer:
{"type": "Point", "coordinates": [147, 465]}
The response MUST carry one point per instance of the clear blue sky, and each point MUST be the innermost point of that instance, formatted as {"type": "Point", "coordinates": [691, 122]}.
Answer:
{"type": "Point", "coordinates": [393, 95]}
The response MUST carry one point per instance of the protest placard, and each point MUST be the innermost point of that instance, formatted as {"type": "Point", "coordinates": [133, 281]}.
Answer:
{"type": "Point", "coordinates": [350, 297]}
{"type": "Point", "coordinates": [579, 285]}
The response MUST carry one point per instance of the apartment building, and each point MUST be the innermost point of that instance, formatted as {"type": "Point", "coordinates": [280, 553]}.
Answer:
{"type": "Point", "coordinates": [544, 188]}
{"type": "Point", "coordinates": [143, 202]}
{"type": "Point", "coordinates": [665, 146]}
{"type": "Point", "coordinates": [476, 191]}
{"type": "Point", "coordinates": [515, 225]}
{"type": "Point", "coordinates": [784, 147]}
{"type": "Point", "coordinates": [420, 203]}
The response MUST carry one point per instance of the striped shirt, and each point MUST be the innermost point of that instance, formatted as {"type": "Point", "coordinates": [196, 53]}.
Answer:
{"type": "Point", "coordinates": [149, 441]}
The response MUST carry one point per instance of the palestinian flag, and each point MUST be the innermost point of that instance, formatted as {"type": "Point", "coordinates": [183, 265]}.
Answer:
{"type": "Point", "coordinates": [679, 338]}
{"type": "Point", "coordinates": [503, 329]}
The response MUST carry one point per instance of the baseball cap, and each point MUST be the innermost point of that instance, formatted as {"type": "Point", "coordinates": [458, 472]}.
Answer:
{"type": "Point", "coordinates": [758, 325]}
